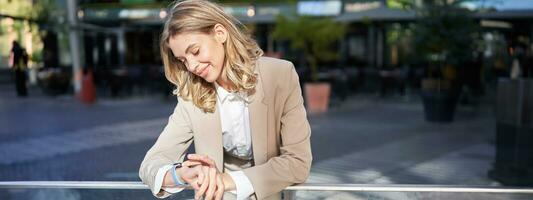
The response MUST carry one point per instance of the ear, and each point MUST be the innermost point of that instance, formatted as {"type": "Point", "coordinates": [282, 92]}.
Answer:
{"type": "Point", "coordinates": [221, 33]}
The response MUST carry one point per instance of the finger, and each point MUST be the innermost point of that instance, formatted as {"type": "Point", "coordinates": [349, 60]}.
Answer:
{"type": "Point", "coordinates": [220, 188]}
{"type": "Point", "coordinates": [212, 183]}
{"type": "Point", "coordinates": [196, 195]}
{"type": "Point", "coordinates": [204, 183]}
{"type": "Point", "coordinates": [194, 184]}
{"type": "Point", "coordinates": [201, 175]}
{"type": "Point", "coordinates": [202, 158]}
{"type": "Point", "coordinates": [190, 163]}
{"type": "Point", "coordinates": [193, 155]}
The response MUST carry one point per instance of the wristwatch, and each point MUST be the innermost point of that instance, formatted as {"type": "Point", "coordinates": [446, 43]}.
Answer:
{"type": "Point", "coordinates": [177, 180]}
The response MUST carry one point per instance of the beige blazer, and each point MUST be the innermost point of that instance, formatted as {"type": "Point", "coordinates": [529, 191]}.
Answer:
{"type": "Point", "coordinates": [279, 127]}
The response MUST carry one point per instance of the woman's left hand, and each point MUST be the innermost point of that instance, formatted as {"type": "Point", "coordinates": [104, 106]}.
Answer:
{"type": "Point", "coordinates": [213, 179]}
{"type": "Point", "coordinates": [206, 160]}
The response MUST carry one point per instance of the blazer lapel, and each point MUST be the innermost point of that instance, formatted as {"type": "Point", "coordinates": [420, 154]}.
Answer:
{"type": "Point", "coordinates": [258, 121]}
{"type": "Point", "coordinates": [212, 133]}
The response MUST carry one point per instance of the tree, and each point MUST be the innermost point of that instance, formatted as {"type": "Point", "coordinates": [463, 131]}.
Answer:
{"type": "Point", "coordinates": [313, 36]}
{"type": "Point", "coordinates": [34, 17]}
{"type": "Point", "coordinates": [445, 34]}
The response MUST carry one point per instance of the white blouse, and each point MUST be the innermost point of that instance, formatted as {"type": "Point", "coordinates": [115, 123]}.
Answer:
{"type": "Point", "coordinates": [235, 121]}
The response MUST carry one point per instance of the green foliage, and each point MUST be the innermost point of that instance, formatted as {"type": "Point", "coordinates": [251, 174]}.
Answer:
{"type": "Point", "coordinates": [444, 34]}
{"type": "Point", "coordinates": [30, 17]}
{"type": "Point", "coordinates": [256, 1]}
{"type": "Point", "coordinates": [136, 1]}
{"type": "Point", "coordinates": [20, 8]}
{"type": "Point", "coordinates": [315, 37]}
{"type": "Point", "coordinates": [45, 11]}
{"type": "Point", "coordinates": [404, 4]}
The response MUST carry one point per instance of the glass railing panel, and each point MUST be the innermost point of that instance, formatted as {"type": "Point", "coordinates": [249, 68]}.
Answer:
{"type": "Point", "coordinates": [98, 194]}
{"type": "Point", "coordinates": [319, 195]}
{"type": "Point", "coordinates": [136, 190]}
{"type": "Point", "coordinates": [84, 194]}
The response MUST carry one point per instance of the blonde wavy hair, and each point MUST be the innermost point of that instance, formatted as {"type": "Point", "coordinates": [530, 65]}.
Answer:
{"type": "Point", "coordinates": [241, 52]}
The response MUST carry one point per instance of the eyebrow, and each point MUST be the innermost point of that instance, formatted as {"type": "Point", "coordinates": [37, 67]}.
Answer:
{"type": "Point", "coordinates": [188, 48]}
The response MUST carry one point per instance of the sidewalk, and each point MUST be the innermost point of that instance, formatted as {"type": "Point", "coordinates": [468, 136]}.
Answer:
{"type": "Point", "coordinates": [362, 140]}
{"type": "Point", "coordinates": [40, 115]}
{"type": "Point", "coordinates": [458, 153]}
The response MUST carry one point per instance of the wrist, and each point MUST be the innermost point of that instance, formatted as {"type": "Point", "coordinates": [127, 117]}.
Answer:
{"type": "Point", "coordinates": [168, 180]}
{"type": "Point", "coordinates": [176, 175]}
{"type": "Point", "coordinates": [229, 184]}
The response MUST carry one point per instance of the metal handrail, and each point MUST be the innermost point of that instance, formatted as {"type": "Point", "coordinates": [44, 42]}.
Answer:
{"type": "Point", "coordinates": [301, 187]}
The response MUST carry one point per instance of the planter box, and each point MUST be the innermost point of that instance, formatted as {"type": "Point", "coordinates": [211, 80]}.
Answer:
{"type": "Point", "coordinates": [513, 163]}
{"type": "Point", "coordinates": [317, 97]}
{"type": "Point", "coordinates": [439, 106]}
{"type": "Point", "coordinates": [440, 100]}
{"type": "Point", "coordinates": [54, 81]}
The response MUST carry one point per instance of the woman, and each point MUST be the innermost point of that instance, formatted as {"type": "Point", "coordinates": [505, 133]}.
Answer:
{"type": "Point", "coordinates": [244, 112]}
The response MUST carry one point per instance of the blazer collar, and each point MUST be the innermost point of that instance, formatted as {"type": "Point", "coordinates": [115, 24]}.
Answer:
{"type": "Point", "coordinates": [258, 94]}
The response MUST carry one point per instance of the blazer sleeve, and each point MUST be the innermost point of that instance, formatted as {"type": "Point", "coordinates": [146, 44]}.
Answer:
{"type": "Point", "coordinates": [169, 148]}
{"type": "Point", "coordinates": [293, 164]}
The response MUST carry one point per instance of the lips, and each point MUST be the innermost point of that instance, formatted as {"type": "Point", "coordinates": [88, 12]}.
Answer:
{"type": "Point", "coordinates": [203, 71]}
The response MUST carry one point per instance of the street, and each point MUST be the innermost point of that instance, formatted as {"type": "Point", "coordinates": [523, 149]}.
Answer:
{"type": "Point", "coordinates": [363, 140]}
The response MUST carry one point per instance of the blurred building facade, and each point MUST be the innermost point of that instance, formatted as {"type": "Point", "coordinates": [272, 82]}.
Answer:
{"type": "Point", "coordinates": [125, 33]}
{"type": "Point", "coordinates": [120, 37]}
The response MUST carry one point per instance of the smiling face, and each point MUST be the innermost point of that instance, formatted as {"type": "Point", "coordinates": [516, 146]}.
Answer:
{"type": "Point", "coordinates": [202, 54]}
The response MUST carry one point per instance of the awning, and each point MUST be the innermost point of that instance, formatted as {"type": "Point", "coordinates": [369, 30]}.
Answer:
{"type": "Point", "coordinates": [378, 14]}
{"type": "Point", "coordinates": [505, 14]}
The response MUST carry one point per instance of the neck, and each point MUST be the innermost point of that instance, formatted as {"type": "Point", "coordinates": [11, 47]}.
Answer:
{"type": "Point", "coordinates": [224, 82]}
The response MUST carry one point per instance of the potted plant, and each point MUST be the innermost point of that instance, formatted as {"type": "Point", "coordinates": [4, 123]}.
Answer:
{"type": "Point", "coordinates": [314, 37]}
{"type": "Point", "coordinates": [444, 38]}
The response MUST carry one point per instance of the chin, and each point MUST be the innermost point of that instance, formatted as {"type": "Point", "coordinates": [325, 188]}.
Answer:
{"type": "Point", "coordinates": [210, 79]}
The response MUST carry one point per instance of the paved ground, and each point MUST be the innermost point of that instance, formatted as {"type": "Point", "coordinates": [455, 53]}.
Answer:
{"type": "Point", "coordinates": [362, 140]}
